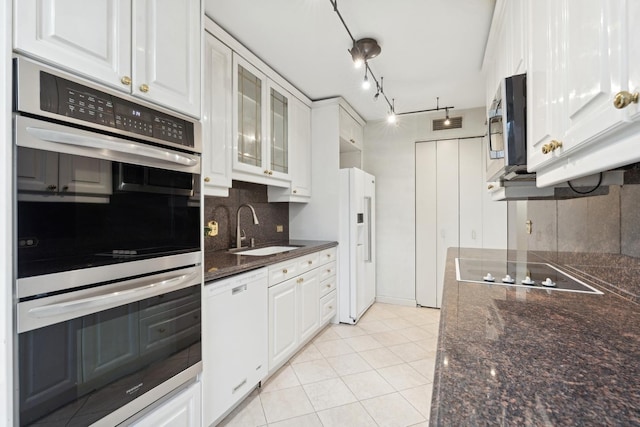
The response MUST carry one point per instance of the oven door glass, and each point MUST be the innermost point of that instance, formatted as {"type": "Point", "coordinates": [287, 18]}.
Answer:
{"type": "Point", "coordinates": [72, 214]}
{"type": "Point", "coordinates": [79, 370]}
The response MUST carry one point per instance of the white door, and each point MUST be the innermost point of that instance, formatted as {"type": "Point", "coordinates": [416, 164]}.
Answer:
{"type": "Point", "coordinates": [369, 238]}
{"type": "Point", "coordinates": [300, 147]}
{"type": "Point", "coordinates": [452, 210]}
{"type": "Point", "coordinates": [447, 211]}
{"type": "Point", "coordinates": [471, 192]}
{"type": "Point", "coordinates": [216, 117]}
{"type": "Point", "coordinates": [166, 62]}
{"type": "Point", "coordinates": [309, 309]}
{"type": "Point", "coordinates": [283, 334]}
{"type": "Point", "coordinates": [93, 40]}
{"type": "Point", "coordinates": [426, 230]}
{"type": "Point", "coordinates": [593, 67]}
{"type": "Point", "coordinates": [544, 90]}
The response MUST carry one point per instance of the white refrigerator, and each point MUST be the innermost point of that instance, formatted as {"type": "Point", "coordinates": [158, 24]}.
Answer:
{"type": "Point", "coordinates": [357, 268]}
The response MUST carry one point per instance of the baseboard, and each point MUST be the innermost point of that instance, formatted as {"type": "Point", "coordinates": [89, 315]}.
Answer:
{"type": "Point", "coordinates": [396, 301]}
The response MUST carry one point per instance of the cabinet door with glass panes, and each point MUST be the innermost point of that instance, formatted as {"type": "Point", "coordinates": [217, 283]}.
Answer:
{"type": "Point", "coordinates": [261, 117]}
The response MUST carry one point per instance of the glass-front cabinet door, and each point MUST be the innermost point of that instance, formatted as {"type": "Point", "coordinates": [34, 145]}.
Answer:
{"type": "Point", "coordinates": [261, 123]}
{"type": "Point", "coordinates": [250, 88]}
{"type": "Point", "coordinates": [278, 128]}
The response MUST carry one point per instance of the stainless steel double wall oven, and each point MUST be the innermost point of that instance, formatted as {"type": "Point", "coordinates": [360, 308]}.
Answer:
{"type": "Point", "coordinates": [107, 234]}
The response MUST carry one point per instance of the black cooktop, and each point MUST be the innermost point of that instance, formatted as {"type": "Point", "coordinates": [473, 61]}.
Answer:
{"type": "Point", "coordinates": [519, 273]}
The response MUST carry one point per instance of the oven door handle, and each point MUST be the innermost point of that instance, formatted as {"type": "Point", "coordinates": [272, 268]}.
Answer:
{"type": "Point", "coordinates": [108, 300]}
{"type": "Point", "coordinates": [118, 145]}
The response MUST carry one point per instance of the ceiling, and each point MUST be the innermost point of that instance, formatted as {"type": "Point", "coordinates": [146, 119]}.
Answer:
{"type": "Point", "coordinates": [430, 48]}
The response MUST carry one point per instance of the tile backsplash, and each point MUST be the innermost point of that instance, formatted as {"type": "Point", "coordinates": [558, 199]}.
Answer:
{"type": "Point", "coordinates": [223, 210]}
{"type": "Point", "coordinates": [598, 224]}
{"type": "Point", "coordinates": [598, 236]}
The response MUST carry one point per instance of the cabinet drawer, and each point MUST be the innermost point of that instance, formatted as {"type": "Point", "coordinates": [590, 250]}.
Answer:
{"type": "Point", "coordinates": [283, 271]}
{"type": "Point", "coordinates": [307, 262]}
{"type": "Point", "coordinates": [326, 271]}
{"type": "Point", "coordinates": [328, 306]}
{"type": "Point", "coordinates": [327, 285]}
{"type": "Point", "coordinates": [327, 255]}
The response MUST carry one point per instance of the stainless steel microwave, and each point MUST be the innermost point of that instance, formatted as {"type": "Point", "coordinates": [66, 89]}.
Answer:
{"type": "Point", "coordinates": [507, 122]}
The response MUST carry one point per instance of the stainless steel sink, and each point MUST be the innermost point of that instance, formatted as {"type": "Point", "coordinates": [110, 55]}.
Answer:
{"type": "Point", "coordinates": [268, 250]}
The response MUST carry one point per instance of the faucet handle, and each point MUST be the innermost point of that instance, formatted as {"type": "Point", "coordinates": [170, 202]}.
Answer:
{"type": "Point", "coordinates": [243, 236]}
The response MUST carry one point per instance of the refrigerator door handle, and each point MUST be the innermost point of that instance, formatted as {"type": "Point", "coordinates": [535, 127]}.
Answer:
{"type": "Point", "coordinates": [367, 249]}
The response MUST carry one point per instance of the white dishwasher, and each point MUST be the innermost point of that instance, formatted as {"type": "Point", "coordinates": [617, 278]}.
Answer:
{"type": "Point", "coordinates": [234, 340]}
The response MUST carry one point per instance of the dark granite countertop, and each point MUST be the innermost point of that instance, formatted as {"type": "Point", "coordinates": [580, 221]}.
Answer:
{"type": "Point", "coordinates": [218, 264]}
{"type": "Point", "coordinates": [533, 357]}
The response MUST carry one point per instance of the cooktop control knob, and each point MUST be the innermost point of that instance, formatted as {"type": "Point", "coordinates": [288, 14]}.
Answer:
{"type": "Point", "coordinates": [550, 283]}
{"type": "Point", "coordinates": [527, 281]}
{"type": "Point", "coordinates": [489, 278]}
{"type": "Point", "coordinates": [508, 279]}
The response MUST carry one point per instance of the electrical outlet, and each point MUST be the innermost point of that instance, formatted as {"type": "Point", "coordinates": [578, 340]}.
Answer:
{"type": "Point", "coordinates": [212, 228]}
{"type": "Point", "coordinates": [279, 228]}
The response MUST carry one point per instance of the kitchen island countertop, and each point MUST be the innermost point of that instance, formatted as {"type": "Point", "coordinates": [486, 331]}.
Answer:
{"type": "Point", "coordinates": [222, 263]}
{"type": "Point", "coordinates": [513, 356]}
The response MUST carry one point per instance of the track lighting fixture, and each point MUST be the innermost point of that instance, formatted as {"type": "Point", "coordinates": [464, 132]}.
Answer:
{"type": "Point", "coordinates": [391, 117]}
{"type": "Point", "coordinates": [447, 121]}
{"type": "Point", "coordinates": [361, 51]}
{"type": "Point", "coordinates": [366, 84]}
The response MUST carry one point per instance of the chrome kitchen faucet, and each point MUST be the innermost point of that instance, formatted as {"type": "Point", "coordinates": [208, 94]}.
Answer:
{"type": "Point", "coordinates": [240, 236]}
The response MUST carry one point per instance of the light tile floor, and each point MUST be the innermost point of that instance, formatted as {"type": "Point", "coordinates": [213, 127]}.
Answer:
{"type": "Point", "coordinates": [376, 373]}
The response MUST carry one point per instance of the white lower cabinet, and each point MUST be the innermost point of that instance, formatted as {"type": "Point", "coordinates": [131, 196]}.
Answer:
{"type": "Point", "coordinates": [283, 313]}
{"type": "Point", "coordinates": [309, 313]}
{"type": "Point", "coordinates": [182, 410]}
{"type": "Point", "coordinates": [234, 340]}
{"type": "Point", "coordinates": [298, 302]}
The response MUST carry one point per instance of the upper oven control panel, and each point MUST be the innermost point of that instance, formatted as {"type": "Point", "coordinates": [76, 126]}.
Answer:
{"type": "Point", "coordinates": [67, 98]}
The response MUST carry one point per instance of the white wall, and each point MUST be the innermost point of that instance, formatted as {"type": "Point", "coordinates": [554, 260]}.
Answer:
{"type": "Point", "coordinates": [389, 154]}
{"type": "Point", "coordinates": [6, 263]}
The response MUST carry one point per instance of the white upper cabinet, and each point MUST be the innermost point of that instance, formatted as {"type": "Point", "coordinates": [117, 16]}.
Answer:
{"type": "Point", "coordinates": [166, 43]}
{"type": "Point", "coordinates": [300, 156]}
{"type": "Point", "coordinates": [216, 118]}
{"type": "Point", "coordinates": [94, 41]}
{"type": "Point", "coordinates": [544, 92]}
{"type": "Point", "coordinates": [261, 125]}
{"type": "Point", "coordinates": [351, 132]}
{"type": "Point", "coordinates": [583, 55]}
{"type": "Point", "coordinates": [150, 48]}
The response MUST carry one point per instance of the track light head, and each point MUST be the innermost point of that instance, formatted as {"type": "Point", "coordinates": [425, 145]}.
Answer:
{"type": "Point", "coordinates": [366, 84]}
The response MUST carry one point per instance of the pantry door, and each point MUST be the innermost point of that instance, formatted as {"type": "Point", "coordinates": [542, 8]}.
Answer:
{"type": "Point", "coordinates": [453, 209]}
